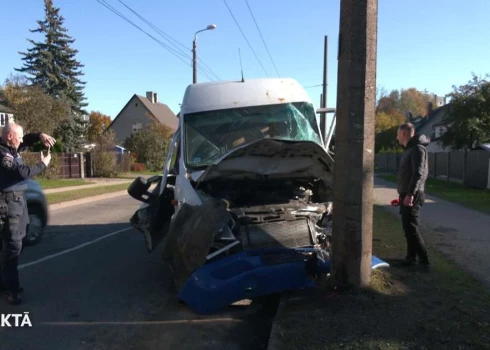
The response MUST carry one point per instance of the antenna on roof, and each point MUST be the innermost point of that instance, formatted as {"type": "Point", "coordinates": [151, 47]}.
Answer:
{"type": "Point", "coordinates": [241, 67]}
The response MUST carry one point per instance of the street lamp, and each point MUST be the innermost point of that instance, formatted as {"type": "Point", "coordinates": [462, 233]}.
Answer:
{"type": "Point", "coordinates": [194, 54]}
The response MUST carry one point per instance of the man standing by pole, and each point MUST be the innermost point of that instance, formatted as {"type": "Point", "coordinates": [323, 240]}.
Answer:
{"type": "Point", "coordinates": [13, 209]}
{"type": "Point", "coordinates": [412, 174]}
{"type": "Point", "coordinates": [354, 144]}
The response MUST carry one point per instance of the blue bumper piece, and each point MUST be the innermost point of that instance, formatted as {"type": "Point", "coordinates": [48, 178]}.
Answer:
{"type": "Point", "coordinates": [251, 274]}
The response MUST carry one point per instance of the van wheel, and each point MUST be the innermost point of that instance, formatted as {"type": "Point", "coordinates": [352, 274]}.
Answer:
{"type": "Point", "coordinates": [35, 228]}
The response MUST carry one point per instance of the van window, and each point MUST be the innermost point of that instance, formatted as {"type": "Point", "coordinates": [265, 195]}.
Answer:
{"type": "Point", "coordinates": [211, 134]}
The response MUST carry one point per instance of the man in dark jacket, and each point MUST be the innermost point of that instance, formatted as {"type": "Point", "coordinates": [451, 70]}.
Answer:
{"type": "Point", "coordinates": [13, 209]}
{"type": "Point", "coordinates": [412, 174]}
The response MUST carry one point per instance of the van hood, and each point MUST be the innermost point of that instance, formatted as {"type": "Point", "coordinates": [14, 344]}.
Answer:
{"type": "Point", "coordinates": [269, 158]}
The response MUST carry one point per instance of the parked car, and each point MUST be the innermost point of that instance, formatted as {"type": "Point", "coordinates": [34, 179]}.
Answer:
{"type": "Point", "coordinates": [37, 208]}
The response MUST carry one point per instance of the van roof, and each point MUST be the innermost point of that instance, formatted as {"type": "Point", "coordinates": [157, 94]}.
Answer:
{"type": "Point", "coordinates": [234, 94]}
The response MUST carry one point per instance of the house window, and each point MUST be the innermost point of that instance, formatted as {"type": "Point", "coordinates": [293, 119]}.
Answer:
{"type": "Point", "coordinates": [2, 119]}
{"type": "Point", "coordinates": [137, 127]}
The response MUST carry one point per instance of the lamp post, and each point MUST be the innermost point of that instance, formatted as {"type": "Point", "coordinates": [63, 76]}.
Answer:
{"type": "Point", "coordinates": [194, 53]}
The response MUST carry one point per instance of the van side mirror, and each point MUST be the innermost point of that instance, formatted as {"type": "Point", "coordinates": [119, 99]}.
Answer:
{"type": "Point", "coordinates": [139, 188]}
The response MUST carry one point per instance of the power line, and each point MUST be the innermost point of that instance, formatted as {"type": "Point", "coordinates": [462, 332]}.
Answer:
{"type": "Point", "coordinates": [245, 38]}
{"type": "Point", "coordinates": [270, 56]}
{"type": "Point", "coordinates": [169, 39]}
{"type": "Point", "coordinates": [173, 52]}
{"type": "Point", "coordinates": [312, 86]}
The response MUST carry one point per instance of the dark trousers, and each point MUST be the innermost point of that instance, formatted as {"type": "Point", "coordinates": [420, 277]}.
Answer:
{"type": "Point", "coordinates": [12, 232]}
{"type": "Point", "coordinates": [410, 222]}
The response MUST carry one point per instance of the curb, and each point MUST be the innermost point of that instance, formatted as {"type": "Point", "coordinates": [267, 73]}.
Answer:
{"type": "Point", "coordinates": [75, 202]}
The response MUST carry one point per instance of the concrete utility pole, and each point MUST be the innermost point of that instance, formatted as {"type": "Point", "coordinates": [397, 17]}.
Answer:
{"type": "Point", "coordinates": [354, 144]}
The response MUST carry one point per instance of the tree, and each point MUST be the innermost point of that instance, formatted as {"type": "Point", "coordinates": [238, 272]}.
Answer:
{"type": "Point", "coordinates": [151, 145]}
{"type": "Point", "coordinates": [386, 126]}
{"type": "Point", "coordinates": [51, 64]}
{"type": "Point", "coordinates": [400, 102]}
{"type": "Point", "coordinates": [97, 124]}
{"type": "Point", "coordinates": [468, 117]}
{"type": "Point", "coordinates": [33, 108]}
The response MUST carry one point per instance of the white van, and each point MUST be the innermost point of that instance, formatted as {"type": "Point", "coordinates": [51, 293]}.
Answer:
{"type": "Point", "coordinates": [246, 176]}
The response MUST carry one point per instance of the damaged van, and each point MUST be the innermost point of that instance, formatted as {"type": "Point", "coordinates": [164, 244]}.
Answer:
{"type": "Point", "coordinates": [244, 205]}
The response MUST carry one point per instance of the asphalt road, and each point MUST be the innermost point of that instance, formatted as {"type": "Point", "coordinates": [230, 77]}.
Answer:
{"type": "Point", "coordinates": [90, 284]}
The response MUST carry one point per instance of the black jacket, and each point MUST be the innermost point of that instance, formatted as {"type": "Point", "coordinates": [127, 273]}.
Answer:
{"type": "Point", "coordinates": [13, 171]}
{"type": "Point", "coordinates": [414, 166]}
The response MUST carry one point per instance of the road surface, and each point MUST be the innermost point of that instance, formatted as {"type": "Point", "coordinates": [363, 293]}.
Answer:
{"type": "Point", "coordinates": [90, 284]}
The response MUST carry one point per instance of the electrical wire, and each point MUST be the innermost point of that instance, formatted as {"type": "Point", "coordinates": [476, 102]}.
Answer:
{"type": "Point", "coordinates": [170, 40]}
{"type": "Point", "coordinates": [260, 32]}
{"type": "Point", "coordinates": [172, 51]}
{"type": "Point", "coordinates": [231, 13]}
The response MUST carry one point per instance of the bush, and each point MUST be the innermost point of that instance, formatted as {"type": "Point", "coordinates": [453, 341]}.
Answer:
{"type": "Point", "coordinates": [151, 145]}
{"type": "Point", "coordinates": [105, 164]}
{"type": "Point", "coordinates": [53, 169]}
{"type": "Point", "coordinates": [138, 167]}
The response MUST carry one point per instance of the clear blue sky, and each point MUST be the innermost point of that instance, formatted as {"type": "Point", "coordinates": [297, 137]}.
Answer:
{"type": "Point", "coordinates": [427, 44]}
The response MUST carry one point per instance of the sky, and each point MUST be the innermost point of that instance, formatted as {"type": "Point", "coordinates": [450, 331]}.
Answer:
{"type": "Point", "coordinates": [427, 44]}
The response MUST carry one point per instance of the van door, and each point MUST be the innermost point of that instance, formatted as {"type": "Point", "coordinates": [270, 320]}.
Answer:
{"type": "Point", "coordinates": [153, 219]}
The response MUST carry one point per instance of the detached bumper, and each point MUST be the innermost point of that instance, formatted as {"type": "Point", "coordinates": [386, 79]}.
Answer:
{"type": "Point", "coordinates": [251, 274]}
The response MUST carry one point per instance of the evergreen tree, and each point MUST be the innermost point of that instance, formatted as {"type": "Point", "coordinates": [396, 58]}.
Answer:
{"type": "Point", "coordinates": [52, 65]}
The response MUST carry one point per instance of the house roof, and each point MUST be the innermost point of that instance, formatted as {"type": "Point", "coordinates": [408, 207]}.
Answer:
{"type": "Point", "coordinates": [426, 126]}
{"type": "Point", "coordinates": [5, 109]}
{"type": "Point", "coordinates": [159, 111]}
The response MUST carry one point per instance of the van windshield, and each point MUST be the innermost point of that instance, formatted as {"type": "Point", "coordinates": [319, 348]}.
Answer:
{"type": "Point", "coordinates": [209, 135]}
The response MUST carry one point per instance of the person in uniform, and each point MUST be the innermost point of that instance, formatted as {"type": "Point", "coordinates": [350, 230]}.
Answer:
{"type": "Point", "coordinates": [13, 209]}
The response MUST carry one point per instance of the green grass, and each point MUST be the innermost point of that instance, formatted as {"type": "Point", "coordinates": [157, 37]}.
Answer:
{"type": "Point", "coordinates": [477, 199]}
{"type": "Point", "coordinates": [58, 183]}
{"type": "Point", "coordinates": [404, 309]}
{"type": "Point", "coordinates": [53, 198]}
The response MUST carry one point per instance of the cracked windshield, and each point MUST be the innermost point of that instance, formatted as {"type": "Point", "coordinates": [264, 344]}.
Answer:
{"type": "Point", "coordinates": [210, 135]}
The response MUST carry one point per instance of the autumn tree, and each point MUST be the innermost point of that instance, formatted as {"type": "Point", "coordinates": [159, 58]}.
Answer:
{"type": "Point", "coordinates": [468, 117]}
{"type": "Point", "coordinates": [151, 145]}
{"type": "Point", "coordinates": [392, 110]}
{"type": "Point", "coordinates": [51, 64]}
{"type": "Point", "coordinates": [400, 102]}
{"type": "Point", "coordinates": [33, 108]}
{"type": "Point", "coordinates": [97, 124]}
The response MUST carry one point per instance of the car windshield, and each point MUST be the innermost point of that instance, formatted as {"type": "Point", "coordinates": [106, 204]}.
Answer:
{"type": "Point", "coordinates": [210, 135]}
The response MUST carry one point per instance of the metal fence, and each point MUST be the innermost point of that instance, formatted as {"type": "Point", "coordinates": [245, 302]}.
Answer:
{"type": "Point", "coordinates": [471, 169]}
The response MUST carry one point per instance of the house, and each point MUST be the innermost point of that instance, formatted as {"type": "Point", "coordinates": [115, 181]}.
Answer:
{"type": "Point", "coordinates": [6, 115]}
{"type": "Point", "coordinates": [432, 126]}
{"type": "Point", "coordinates": [140, 112]}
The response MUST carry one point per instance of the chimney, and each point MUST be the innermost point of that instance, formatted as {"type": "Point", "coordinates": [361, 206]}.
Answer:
{"type": "Point", "coordinates": [152, 96]}
{"type": "Point", "coordinates": [429, 109]}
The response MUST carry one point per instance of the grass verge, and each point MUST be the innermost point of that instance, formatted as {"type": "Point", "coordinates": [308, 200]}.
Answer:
{"type": "Point", "coordinates": [477, 199]}
{"type": "Point", "coordinates": [58, 183]}
{"type": "Point", "coordinates": [404, 308]}
{"type": "Point", "coordinates": [53, 198]}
